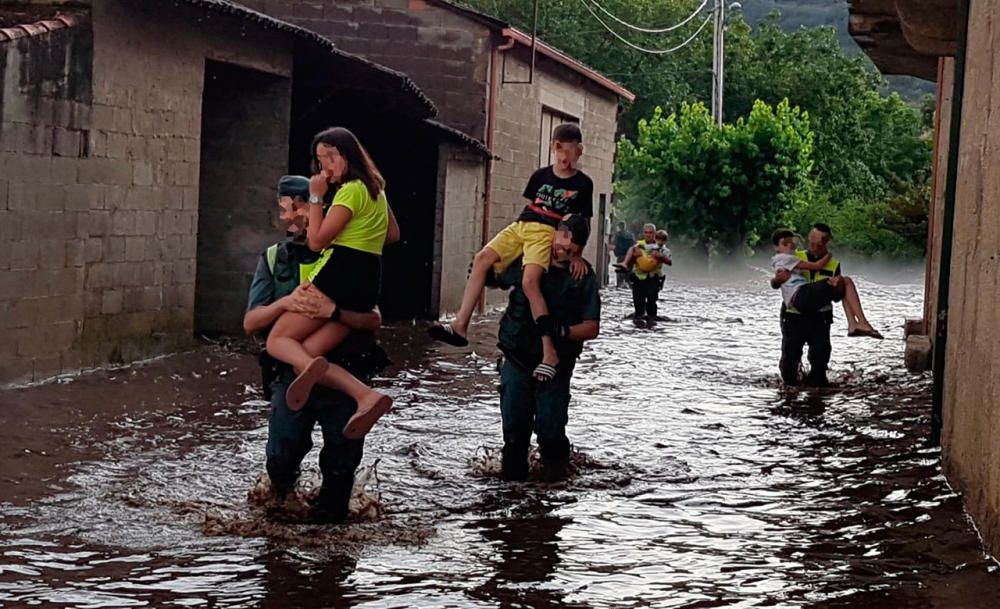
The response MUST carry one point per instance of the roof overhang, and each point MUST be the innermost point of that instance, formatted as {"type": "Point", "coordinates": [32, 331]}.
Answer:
{"type": "Point", "coordinates": [558, 56]}
{"type": "Point", "coordinates": [395, 84]}
{"type": "Point", "coordinates": [546, 50]}
{"type": "Point", "coordinates": [36, 21]}
{"type": "Point", "coordinates": [905, 36]}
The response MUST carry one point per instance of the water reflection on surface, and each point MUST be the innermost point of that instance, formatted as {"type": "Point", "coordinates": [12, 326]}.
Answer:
{"type": "Point", "coordinates": [699, 483]}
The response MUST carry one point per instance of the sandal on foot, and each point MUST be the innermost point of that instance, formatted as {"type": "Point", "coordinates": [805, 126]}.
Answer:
{"type": "Point", "coordinates": [367, 414]}
{"type": "Point", "coordinates": [446, 334]}
{"type": "Point", "coordinates": [544, 372]}
{"type": "Point", "coordinates": [298, 391]}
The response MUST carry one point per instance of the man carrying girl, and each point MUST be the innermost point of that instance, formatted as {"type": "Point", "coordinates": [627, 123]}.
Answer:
{"type": "Point", "coordinates": [357, 224]}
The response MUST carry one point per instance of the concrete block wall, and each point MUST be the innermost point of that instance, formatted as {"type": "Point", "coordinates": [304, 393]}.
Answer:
{"type": "Point", "coordinates": [45, 133]}
{"type": "Point", "coordinates": [518, 133]}
{"type": "Point", "coordinates": [116, 224]}
{"type": "Point", "coordinates": [971, 452]}
{"type": "Point", "coordinates": [446, 54]}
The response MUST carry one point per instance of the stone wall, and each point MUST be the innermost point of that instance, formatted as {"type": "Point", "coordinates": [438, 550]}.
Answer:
{"type": "Point", "coordinates": [518, 133]}
{"type": "Point", "coordinates": [971, 451]}
{"type": "Point", "coordinates": [446, 54]}
{"type": "Point", "coordinates": [100, 183]}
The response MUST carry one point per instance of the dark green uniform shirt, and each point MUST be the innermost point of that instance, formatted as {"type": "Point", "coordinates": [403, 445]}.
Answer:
{"type": "Point", "coordinates": [570, 302]}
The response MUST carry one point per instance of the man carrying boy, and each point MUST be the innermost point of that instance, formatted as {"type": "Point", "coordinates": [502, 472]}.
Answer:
{"type": "Point", "coordinates": [275, 289]}
{"type": "Point", "coordinates": [527, 405]}
{"type": "Point", "coordinates": [553, 192]}
{"type": "Point", "coordinates": [810, 283]}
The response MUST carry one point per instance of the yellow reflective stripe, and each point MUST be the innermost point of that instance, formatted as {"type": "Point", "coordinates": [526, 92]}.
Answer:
{"type": "Point", "coordinates": [308, 272]}
{"type": "Point", "coordinates": [272, 257]}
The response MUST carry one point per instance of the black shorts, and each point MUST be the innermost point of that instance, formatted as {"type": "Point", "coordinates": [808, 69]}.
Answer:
{"type": "Point", "coordinates": [812, 297]}
{"type": "Point", "coordinates": [351, 278]}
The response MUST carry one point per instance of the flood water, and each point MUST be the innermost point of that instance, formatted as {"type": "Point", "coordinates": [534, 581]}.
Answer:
{"type": "Point", "coordinates": [699, 482]}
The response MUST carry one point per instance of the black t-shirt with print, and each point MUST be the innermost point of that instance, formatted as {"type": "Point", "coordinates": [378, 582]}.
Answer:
{"type": "Point", "coordinates": [574, 195]}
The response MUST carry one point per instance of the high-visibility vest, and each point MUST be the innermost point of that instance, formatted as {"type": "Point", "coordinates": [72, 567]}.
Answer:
{"type": "Point", "coordinates": [822, 274]}
{"type": "Point", "coordinates": [287, 279]}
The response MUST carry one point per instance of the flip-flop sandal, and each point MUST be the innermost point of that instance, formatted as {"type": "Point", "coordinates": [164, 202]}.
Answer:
{"type": "Point", "coordinates": [866, 333]}
{"type": "Point", "coordinates": [545, 371]}
{"type": "Point", "coordinates": [364, 419]}
{"type": "Point", "coordinates": [298, 391]}
{"type": "Point", "coordinates": [446, 334]}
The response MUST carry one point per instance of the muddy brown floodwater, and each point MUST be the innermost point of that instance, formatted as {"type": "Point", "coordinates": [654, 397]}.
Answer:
{"type": "Point", "coordinates": [698, 481]}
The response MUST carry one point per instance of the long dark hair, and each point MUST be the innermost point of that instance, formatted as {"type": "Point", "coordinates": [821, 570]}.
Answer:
{"type": "Point", "coordinates": [359, 163]}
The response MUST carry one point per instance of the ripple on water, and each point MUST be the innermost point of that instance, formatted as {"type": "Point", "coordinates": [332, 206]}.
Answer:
{"type": "Point", "coordinates": [696, 481]}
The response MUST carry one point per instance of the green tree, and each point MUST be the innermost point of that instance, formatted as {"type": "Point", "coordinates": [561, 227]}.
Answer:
{"type": "Point", "coordinates": [719, 186]}
{"type": "Point", "coordinates": [871, 151]}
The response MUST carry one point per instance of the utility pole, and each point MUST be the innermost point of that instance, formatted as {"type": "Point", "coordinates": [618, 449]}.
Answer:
{"type": "Point", "coordinates": [718, 59]}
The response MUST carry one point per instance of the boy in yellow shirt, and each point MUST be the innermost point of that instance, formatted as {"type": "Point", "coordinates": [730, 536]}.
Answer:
{"type": "Point", "coordinates": [552, 192]}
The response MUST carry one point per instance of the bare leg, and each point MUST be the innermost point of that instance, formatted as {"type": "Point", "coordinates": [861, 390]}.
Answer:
{"type": "Point", "coordinates": [372, 404]}
{"type": "Point", "coordinates": [481, 264]}
{"type": "Point", "coordinates": [532, 285]}
{"type": "Point", "coordinates": [285, 344]}
{"type": "Point", "coordinates": [855, 314]}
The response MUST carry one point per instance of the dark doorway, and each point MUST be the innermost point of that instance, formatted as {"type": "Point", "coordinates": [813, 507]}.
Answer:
{"type": "Point", "coordinates": [244, 151]}
{"type": "Point", "coordinates": [409, 161]}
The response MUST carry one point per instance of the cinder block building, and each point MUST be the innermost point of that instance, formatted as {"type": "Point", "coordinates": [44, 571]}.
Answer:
{"type": "Point", "coordinates": [954, 42]}
{"type": "Point", "coordinates": [489, 81]}
{"type": "Point", "coordinates": [140, 148]}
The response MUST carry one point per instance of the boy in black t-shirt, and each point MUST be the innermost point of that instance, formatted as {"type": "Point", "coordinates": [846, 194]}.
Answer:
{"type": "Point", "coordinates": [553, 193]}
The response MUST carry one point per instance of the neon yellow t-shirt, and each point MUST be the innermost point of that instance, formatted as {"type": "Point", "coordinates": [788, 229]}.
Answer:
{"type": "Point", "coordinates": [369, 220]}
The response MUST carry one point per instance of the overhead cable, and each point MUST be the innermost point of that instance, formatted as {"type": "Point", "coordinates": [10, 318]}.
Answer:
{"type": "Point", "coordinates": [652, 30]}
{"type": "Point", "coordinates": [708, 19]}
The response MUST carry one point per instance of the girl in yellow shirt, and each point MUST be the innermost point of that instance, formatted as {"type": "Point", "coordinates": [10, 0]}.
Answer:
{"type": "Point", "coordinates": [357, 225]}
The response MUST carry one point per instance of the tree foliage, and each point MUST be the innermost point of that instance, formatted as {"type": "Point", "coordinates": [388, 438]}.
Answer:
{"type": "Point", "coordinates": [719, 185]}
{"type": "Point", "coordinates": [871, 153]}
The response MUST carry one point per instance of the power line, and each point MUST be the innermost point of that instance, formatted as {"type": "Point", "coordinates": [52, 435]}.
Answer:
{"type": "Point", "coordinates": [643, 49]}
{"type": "Point", "coordinates": [648, 30]}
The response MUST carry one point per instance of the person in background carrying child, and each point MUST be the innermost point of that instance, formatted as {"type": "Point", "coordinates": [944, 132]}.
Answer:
{"type": "Point", "coordinates": [356, 226]}
{"type": "Point", "coordinates": [553, 193]}
{"type": "Point", "coordinates": [806, 297]}
{"type": "Point", "coordinates": [645, 261]}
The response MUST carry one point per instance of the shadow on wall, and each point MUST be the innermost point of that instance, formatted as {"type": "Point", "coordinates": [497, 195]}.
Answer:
{"type": "Point", "coordinates": [409, 161]}
{"type": "Point", "coordinates": [244, 149]}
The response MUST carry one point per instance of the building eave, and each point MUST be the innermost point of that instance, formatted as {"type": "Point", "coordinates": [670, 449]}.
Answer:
{"type": "Point", "coordinates": [61, 21]}
{"type": "Point", "coordinates": [422, 105]}
{"type": "Point", "coordinates": [558, 56]}
{"type": "Point", "coordinates": [905, 36]}
{"type": "Point", "coordinates": [506, 30]}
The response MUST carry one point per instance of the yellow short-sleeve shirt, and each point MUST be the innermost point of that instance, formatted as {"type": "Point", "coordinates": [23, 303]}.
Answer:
{"type": "Point", "coordinates": [369, 220]}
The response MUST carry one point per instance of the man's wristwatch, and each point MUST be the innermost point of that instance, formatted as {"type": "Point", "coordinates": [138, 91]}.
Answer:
{"type": "Point", "coordinates": [314, 200]}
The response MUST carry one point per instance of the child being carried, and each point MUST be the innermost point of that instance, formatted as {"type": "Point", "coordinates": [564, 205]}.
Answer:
{"type": "Point", "coordinates": [811, 296]}
{"type": "Point", "coordinates": [553, 193]}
